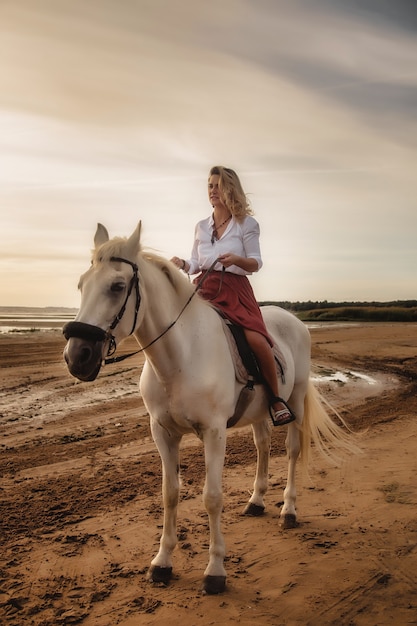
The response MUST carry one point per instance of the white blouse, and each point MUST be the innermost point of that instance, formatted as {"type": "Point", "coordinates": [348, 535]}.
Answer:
{"type": "Point", "coordinates": [241, 238]}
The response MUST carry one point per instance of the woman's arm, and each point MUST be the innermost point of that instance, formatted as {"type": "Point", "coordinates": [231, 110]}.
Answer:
{"type": "Point", "coordinates": [252, 262]}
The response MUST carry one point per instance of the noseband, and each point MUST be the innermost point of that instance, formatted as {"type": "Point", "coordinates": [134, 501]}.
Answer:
{"type": "Point", "coordinates": [95, 333]}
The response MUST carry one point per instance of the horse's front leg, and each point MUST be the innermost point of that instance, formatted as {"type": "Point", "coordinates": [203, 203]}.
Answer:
{"type": "Point", "coordinates": [168, 447]}
{"type": "Point", "coordinates": [262, 438]}
{"type": "Point", "coordinates": [214, 447]}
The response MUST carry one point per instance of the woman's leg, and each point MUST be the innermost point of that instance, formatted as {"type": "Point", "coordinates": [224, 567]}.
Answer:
{"type": "Point", "coordinates": [265, 357]}
{"type": "Point", "coordinates": [266, 361]}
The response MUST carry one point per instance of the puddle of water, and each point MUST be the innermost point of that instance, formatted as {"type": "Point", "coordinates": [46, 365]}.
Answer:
{"type": "Point", "coordinates": [365, 377]}
{"type": "Point", "coordinates": [342, 377]}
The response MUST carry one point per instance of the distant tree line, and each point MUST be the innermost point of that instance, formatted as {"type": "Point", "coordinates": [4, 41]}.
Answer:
{"type": "Point", "coordinates": [395, 311]}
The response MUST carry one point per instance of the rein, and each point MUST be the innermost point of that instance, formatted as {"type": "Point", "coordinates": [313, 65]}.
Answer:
{"type": "Point", "coordinates": [95, 333]}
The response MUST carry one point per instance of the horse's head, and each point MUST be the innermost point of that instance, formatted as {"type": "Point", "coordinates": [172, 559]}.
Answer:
{"type": "Point", "coordinates": [110, 299]}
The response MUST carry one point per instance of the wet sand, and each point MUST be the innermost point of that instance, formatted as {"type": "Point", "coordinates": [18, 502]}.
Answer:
{"type": "Point", "coordinates": [81, 506]}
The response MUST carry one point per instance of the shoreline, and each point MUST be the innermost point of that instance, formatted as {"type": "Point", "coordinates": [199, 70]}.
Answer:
{"type": "Point", "coordinates": [14, 325]}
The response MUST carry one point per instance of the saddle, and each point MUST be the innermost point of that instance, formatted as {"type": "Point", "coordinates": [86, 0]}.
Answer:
{"type": "Point", "coordinates": [247, 370]}
{"type": "Point", "coordinates": [246, 366]}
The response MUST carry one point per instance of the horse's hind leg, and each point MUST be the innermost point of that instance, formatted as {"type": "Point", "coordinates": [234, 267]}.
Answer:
{"type": "Point", "coordinates": [262, 438]}
{"type": "Point", "coordinates": [168, 447]}
{"type": "Point", "coordinates": [293, 445]}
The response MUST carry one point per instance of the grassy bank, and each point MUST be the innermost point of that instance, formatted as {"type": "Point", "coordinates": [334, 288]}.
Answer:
{"type": "Point", "coordinates": [397, 311]}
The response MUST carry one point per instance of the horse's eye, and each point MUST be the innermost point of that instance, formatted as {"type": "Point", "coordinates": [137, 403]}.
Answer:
{"type": "Point", "coordinates": [117, 287]}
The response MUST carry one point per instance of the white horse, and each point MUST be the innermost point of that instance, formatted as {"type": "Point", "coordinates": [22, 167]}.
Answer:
{"type": "Point", "coordinates": [188, 383]}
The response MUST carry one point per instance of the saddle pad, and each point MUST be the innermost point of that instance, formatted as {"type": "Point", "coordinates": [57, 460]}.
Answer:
{"type": "Point", "coordinates": [240, 369]}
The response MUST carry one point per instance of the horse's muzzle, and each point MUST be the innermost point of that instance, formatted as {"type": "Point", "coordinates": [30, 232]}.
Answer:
{"type": "Point", "coordinates": [83, 358]}
{"type": "Point", "coordinates": [84, 350]}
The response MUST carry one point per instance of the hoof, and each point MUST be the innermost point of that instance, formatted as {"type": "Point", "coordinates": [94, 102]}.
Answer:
{"type": "Point", "coordinates": [158, 574]}
{"type": "Point", "coordinates": [214, 584]}
{"type": "Point", "coordinates": [288, 521]}
{"type": "Point", "coordinates": [254, 510]}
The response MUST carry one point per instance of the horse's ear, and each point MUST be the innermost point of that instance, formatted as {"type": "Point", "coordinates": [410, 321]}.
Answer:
{"type": "Point", "coordinates": [134, 241]}
{"type": "Point", "coordinates": [101, 235]}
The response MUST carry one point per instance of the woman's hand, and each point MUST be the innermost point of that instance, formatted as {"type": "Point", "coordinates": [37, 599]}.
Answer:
{"type": "Point", "coordinates": [180, 263]}
{"type": "Point", "coordinates": [229, 259]}
{"type": "Point", "coordinates": [247, 264]}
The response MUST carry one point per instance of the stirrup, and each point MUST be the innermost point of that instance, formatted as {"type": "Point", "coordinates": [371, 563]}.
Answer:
{"type": "Point", "coordinates": [282, 416]}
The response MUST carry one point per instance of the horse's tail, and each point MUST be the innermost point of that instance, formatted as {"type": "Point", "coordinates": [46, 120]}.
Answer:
{"type": "Point", "coordinates": [334, 442]}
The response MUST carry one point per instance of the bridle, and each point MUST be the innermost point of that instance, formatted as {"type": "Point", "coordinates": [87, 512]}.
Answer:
{"type": "Point", "coordinates": [95, 334]}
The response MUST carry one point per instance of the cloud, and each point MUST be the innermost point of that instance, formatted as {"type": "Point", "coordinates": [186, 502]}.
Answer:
{"type": "Point", "coordinates": [114, 112]}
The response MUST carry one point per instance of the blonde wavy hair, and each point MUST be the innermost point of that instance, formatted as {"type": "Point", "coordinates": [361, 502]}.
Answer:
{"type": "Point", "coordinates": [232, 192]}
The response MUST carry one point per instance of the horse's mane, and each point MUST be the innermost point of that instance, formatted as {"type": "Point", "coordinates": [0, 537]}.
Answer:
{"type": "Point", "coordinates": [116, 247]}
{"type": "Point", "coordinates": [178, 281]}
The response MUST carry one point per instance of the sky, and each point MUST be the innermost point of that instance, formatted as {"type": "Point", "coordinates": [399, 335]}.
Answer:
{"type": "Point", "coordinates": [113, 111]}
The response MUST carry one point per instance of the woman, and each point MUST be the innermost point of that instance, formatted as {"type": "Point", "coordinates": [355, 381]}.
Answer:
{"type": "Point", "coordinates": [231, 235]}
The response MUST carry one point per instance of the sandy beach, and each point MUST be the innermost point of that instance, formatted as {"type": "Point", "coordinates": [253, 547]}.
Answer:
{"type": "Point", "coordinates": [81, 498]}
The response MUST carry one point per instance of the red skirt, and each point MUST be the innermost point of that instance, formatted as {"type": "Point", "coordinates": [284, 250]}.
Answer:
{"type": "Point", "coordinates": [233, 295]}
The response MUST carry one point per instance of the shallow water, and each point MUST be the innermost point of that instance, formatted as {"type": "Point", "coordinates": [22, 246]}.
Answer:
{"type": "Point", "coordinates": [30, 319]}
{"type": "Point", "coordinates": [342, 377]}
